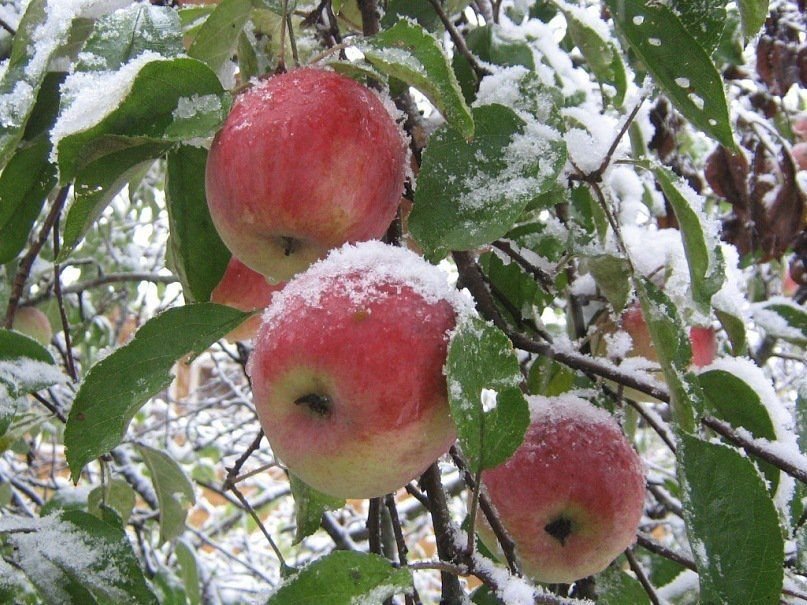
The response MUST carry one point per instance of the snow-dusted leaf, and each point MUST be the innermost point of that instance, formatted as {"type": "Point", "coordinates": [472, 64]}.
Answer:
{"type": "Point", "coordinates": [216, 39]}
{"type": "Point", "coordinates": [612, 275]}
{"type": "Point", "coordinates": [732, 525]}
{"type": "Point", "coordinates": [173, 488]}
{"type": "Point", "coordinates": [781, 318]}
{"type": "Point", "coordinates": [600, 52]}
{"type": "Point", "coordinates": [734, 326]}
{"type": "Point", "coordinates": [408, 52]}
{"type": "Point", "coordinates": [472, 192]}
{"type": "Point", "coordinates": [732, 399]}
{"type": "Point", "coordinates": [24, 185]}
{"type": "Point", "coordinates": [512, 282]}
{"type": "Point", "coordinates": [615, 587]}
{"type": "Point", "coordinates": [75, 558]}
{"type": "Point", "coordinates": [343, 578]}
{"type": "Point", "coordinates": [704, 257]}
{"type": "Point", "coordinates": [118, 385]}
{"type": "Point", "coordinates": [116, 494]}
{"type": "Point", "coordinates": [116, 122]}
{"type": "Point", "coordinates": [197, 254]}
{"type": "Point", "coordinates": [40, 33]}
{"type": "Point", "coordinates": [703, 19]}
{"type": "Point", "coordinates": [752, 15]}
{"type": "Point", "coordinates": [678, 63]}
{"type": "Point", "coordinates": [189, 571]}
{"type": "Point", "coordinates": [127, 33]}
{"type": "Point", "coordinates": [486, 402]}
{"type": "Point", "coordinates": [674, 352]}
{"type": "Point", "coordinates": [309, 505]}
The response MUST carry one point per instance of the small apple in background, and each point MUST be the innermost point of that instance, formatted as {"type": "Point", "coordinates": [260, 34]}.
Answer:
{"type": "Point", "coordinates": [34, 323]}
{"type": "Point", "coordinates": [572, 496]}
{"type": "Point", "coordinates": [701, 338]}
{"type": "Point", "coordinates": [799, 153]}
{"type": "Point", "coordinates": [347, 370]}
{"type": "Point", "coordinates": [306, 161]}
{"type": "Point", "coordinates": [800, 126]}
{"type": "Point", "coordinates": [244, 289]}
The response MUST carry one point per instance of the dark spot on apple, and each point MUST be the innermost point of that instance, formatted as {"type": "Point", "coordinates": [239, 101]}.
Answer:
{"type": "Point", "coordinates": [289, 245]}
{"type": "Point", "coordinates": [361, 315]}
{"type": "Point", "coordinates": [560, 529]}
{"type": "Point", "coordinates": [319, 404]}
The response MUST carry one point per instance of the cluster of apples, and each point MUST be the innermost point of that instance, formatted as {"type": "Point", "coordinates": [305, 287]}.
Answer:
{"type": "Point", "coordinates": [347, 369]}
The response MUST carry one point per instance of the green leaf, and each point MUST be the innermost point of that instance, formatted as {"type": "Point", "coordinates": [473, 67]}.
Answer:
{"type": "Point", "coordinates": [705, 260]}
{"type": "Point", "coordinates": [735, 401]}
{"type": "Point", "coordinates": [161, 92]}
{"type": "Point", "coordinates": [549, 378]}
{"type": "Point", "coordinates": [600, 53]}
{"type": "Point", "coordinates": [27, 67]}
{"type": "Point", "coordinates": [218, 36]}
{"type": "Point", "coordinates": [14, 345]}
{"type": "Point", "coordinates": [491, 44]}
{"type": "Point", "coordinates": [117, 494]}
{"type": "Point", "coordinates": [25, 367]}
{"type": "Point", "coordinates": [472, 192]}
{"type": "Point", "coordinates": [752, 15]}
{"type": "Point", "coordinates": [678, 63]}
{"type": "Point", "coordinates": [732, 525]}
{"type": "Point", "coordinates": [674, 352]}
{"type": "Point", "coordinates": [173, 488]}
{"type": "Point", "coordinates": [24, 185]}
{"type": "Point", "coordinates": [703, 19]}
{"type": "Point", "coordinates": [309, 505]}
{"type": "Point", "coordinates": [117, 386]}
{"type": "Point", "coordinates": [408, 52]}
{"type": "Point", "coordinates": [486, 402]}
{"type": "Point", "coordinates": [121, 36]}
{"type": "Point", "coordinates": [343, 578]}
{"type": "Point", "coordinates": [198, 256]}
{"type": "Point", "coordinates": [615, 587]}
{"type": "Point", "coordinates": [512, 282]}
{"type": "Point", "coordinates": [612, 276]}
{"type": "Point", "coordinates": [782, 318]}
{"type": "Point", "coordinates": [734, 325]}
{"type": "Point", "coordinates": [77, 558]}
{"type": "Point", "coordinates": [189, 570]}
{"type": "Point", "coordinates": [100, 181]}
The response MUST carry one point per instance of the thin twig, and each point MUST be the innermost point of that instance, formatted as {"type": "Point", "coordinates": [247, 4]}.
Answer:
{"type": "Point", "coordinates": [258, 521]}
{"type": "Point", "coordinates": [374, 525]}
{"type": "Point", "coordinates": [400, 541]}
{"type": "Point", "coordinates": [57, 288]}
{"type": "Point", "coordinates": [235, 470]}
{"type": "Point", "coordinates": [649, 544]}
{"type": "Point", "coordinates": [370, 23]}
{"type": "Point", "coordinates": [459, 42]}
{"type": "Point", "coordinates": [7, 27]}
{"type": "Point", "coordinates": [50, 406]}
{"type": "Point", "coordinates": [102, 280]}
{"type": "Point", "coordinates": [27, 261]}
{"type": "Point", "coordinates": [539, 275]}
{"type": "Point", "coordinates": [640, 575]}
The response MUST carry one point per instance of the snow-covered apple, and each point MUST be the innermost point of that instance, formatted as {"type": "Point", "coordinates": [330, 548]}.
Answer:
{"type": "Point", "coordinates": [306, 161]}
{"type": "Point", "coordinates": [34, 323]}
{"type": "Point", "coordinates": [572, 495]}
{"type": "Point", "coordinates": [244, 289]}
{"type": "Point", "coordinates": [347, 371]}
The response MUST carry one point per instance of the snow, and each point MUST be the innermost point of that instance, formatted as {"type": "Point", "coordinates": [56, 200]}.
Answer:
{"type": "Point", "coordinates": [489, 398]}
{"type": "Point", "coordinates": [23, 373]}
{"type": "Point", "coordinates": [91, 96]}
{"type": "Point", "coordinates": [554, 409]}
{"type": "Point", "coordinates": [190, 107]}
{"type": "Point", "coordinates": [773, 323]}
{"type": "Point", "coordinates": [371, 264]}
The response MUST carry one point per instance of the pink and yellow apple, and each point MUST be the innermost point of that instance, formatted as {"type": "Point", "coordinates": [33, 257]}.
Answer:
{"type": "Point", "coordinates": [347, 371]}
{"type": "Point", "coordinates": [572, 496]}
{"type": "Point", "coordinates": [244, 289]}
{"type": "Point", "coordinates": [34, 323]}
{"type": "Point", "coordinates": [306, 161]}
{"type": "Point", "coordinates": [799, 153]}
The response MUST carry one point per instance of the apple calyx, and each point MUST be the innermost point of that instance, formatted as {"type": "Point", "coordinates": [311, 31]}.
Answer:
{"type": "Point", "coordinates": [560, 529]}
{"type": "Point", "coordinates": [321, 405]}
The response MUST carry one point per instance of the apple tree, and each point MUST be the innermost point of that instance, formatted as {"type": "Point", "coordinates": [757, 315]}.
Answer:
{"type": "Point", "coordinates": [592, 277]}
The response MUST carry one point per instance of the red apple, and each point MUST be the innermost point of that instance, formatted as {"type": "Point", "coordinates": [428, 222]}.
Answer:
{"type": "Point", "coordinates": [347, 371]}
{"type": "Point", "coordinates": [244, 289]}
{"type": "Point", "coordinates": [799, 153]}
{"type": "Point", "coordinates": [572, 495]}
{"type": "Point", "coordinates": [34, 323]}
{"type": "Point", "coordinates": [306, 161]}
{"type": "Point", "coordinates": [800, 126]}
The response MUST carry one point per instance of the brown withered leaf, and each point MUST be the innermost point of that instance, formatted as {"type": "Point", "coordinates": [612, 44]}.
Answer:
{"type": "Point", "coordinates": [727, 175]}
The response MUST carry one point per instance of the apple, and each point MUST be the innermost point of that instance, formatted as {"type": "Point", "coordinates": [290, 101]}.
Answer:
{"type": "Point", "coordinates": [701, 338]}
{"type": "Point", "coordinates": [347, 370]}
{"type": "Point", "coordinates": [799, 153]}
{"type": "Point", "coordinates": [34, 323]}
{"type": "Point", "coordinates": [306, 161]}
{"type": "Point", "coordinates": [572, 495]}
{"type": "Point", "coordinates": [244, 289]}
{"type": "Point", "coordinates": [800, 126]}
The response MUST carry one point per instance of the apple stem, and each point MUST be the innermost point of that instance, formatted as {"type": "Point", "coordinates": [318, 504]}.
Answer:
{"type": "Point", "coordinates": [472, 512]}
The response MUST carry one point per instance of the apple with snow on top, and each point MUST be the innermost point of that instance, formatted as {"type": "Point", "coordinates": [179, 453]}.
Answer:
{"type": "Point", "coordinates": [305, 162]}
{"type": "Point", "coordinates": [572, 495]}
{"type": "Point", "coordinates": [347, 371]}
{"type": "Point", "coordinates": [242, 288]}
{"type": "Point", "coordinates": [34, 323]}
